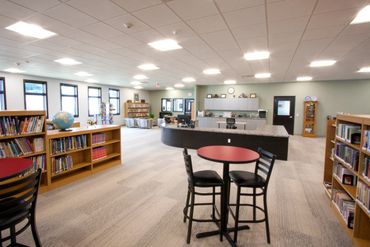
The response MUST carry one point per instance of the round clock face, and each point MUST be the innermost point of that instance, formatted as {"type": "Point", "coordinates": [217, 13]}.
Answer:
{"type": "Point", "coordinates": [231, 90]}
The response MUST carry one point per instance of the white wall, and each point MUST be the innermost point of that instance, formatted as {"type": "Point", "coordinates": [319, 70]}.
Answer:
{"type": "Point", "coordinates": [15, 98]}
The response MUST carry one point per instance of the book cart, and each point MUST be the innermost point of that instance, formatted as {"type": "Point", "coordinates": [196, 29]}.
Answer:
{"type": "Point", "coordinates": [348, 150]}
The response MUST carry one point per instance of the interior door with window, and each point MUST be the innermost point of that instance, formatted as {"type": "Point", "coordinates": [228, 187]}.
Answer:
{"type": "Point", "coordinates": [284, 108]}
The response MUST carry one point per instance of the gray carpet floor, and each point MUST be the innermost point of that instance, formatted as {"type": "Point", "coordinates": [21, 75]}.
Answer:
{"type": "Point", "coordinates": [140, 203]}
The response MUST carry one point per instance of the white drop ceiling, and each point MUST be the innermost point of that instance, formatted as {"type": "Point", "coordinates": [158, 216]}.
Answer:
{"type": "Point", "coordinates": [213, 33]}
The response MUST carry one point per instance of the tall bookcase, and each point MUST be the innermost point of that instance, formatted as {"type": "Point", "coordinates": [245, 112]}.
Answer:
{"type": "Point", "coordinates": [329, 155]}
{"type": "Point", "coordinates": [350, 192]}
{"type": "Point", "coordinates": [136, 109]}
{"type": "Point", "coordinates": [81, 152]}
{"type": "Point", "coordinates": [23, 135]}
{"type": "Point", "coordinates": [309, 118]}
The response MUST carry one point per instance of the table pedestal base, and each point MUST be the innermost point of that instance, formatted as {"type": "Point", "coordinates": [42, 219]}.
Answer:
{"type": "Point", "coordinates": [226, 234]}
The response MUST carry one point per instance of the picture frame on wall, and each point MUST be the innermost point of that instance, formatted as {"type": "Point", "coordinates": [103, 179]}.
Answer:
{"type": "Point", "coordinates": [223, 96]}
{"type": "Point", "coordinates": [253, 95]}
{"type": "Point", "coordinates": [209, 96]}
{"type": "Point", "coordinates": [136, 97]}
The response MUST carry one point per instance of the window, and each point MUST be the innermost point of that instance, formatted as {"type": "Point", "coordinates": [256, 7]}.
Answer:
{"type": "Point", "coordinates": [69, 98]}
{"type": "Point", "coordinates": [178, 105]}
{"type": "Point", "coordinates": [166, 104]}
{"type": "Point", "coordinates": [35, 95]}
{"type": "Point", "coordinates": [188, 105]}
{"type": "Point", "coordinates": [94, 98]}
{"type": "Point", "coordinates": [2, 94]}
{"type": "Point", "coordinates": [114, 100]}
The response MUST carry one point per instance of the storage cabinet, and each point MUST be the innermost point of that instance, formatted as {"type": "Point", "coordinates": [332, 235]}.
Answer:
{"type": "Point", "coordinates": [309, 118]}
{"type": "Point", "coordinates": [231, 104]}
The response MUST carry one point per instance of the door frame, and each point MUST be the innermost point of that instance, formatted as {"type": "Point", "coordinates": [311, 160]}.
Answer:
{"type": "Point", "coordinates": [292, 109]}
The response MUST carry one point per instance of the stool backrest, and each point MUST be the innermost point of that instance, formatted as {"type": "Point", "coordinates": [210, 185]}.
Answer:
{"type": "Point", "coordinates": [188, 165]}
{"type": "Point", "coordinates": [230, 120]}
{"type": "Point", "coordinates": [18, 197]}
{"type": "Point", "coordinates": [265, 164]}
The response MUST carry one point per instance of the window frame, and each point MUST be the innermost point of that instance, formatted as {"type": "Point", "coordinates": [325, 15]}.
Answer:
{"type": "Point", "coordinates": [88, 98]}
{"type": "Point", "coordinates": [3, 79]}
{"type": "Point", "coordinates": [40, 94]}
{"type": "Point", "coordinates": [119, 99]}
{"type": "Point", "coordinates": [74, 96]}
{"type": "Point", "coordinates": [167, 100]}
{"type": "Point", "coordinates": [173, 104]}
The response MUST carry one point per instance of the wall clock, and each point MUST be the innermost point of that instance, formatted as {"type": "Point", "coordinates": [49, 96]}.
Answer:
{"type": "Point", "coordinates": [230, 90]}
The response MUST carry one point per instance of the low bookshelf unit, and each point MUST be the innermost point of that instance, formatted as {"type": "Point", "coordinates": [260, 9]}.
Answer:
{"type": "Point", "coordinates": [350, 174]}
{"type": "Point", "coordinates": [81, 152]}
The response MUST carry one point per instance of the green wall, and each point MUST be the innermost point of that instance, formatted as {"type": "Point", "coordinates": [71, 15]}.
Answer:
{"type": "Point", "coordinates": [156, 96]}
{"type": "Point", "coordinates": [352, 96]}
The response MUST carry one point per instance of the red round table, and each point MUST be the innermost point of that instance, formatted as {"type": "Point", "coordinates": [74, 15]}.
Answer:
{"type": "Point", "coordinates": [226, 155]}
{"type": "Point", "coordinates": [12, 167]}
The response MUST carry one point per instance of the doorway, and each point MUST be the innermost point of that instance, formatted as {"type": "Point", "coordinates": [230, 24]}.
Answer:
{"type": "Point", "coordinates": [284, 108]}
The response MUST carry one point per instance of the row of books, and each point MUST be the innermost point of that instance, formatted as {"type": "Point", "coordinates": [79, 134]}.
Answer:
{"type": "Point", "coordinates": [61, 164]}
{"type": "Point", "coordinates": [366, 171]}
{"type": "Point", "coordinates": [347, 154]}
{"type": "Point", "coordinates": [343, 174]}
{"type": "Point", "coordinates": [345, 205]}
{"type": "Point", "coordinates": [366, 144]}
{"type": "Point", "coordinates": [21, 146]}
{"type": "Point", "coordinates": [38, 162]}
{"type": "Point", "coordinates": [64, 144]}
{"type": "Point", "coordinates": [10, 126]}
{"type": "Point", "coordinates": [349, 132]}
{"type": "Point", "coordinates": [363, 194]}
{"type": "Point", "coordinates": [99, 152]}
{"type": "Point", "coordinates": [98, 138]}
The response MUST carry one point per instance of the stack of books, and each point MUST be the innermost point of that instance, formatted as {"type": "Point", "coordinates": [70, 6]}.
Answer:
{"type": "Point", "coordinates": [99, 152]}
{"type": "Point", "coordinates": [15, 148]}
{"type": "Point", "coordinates": [38, 162]}
{"type": "Point", "coordinates": [38, 144]}
{"type": "Point", "coordinates": [98, 138]}
{"type": "Point", "coordinates": [343, 174]}
{"type": "Point", "coordinates": [345, 205]}
{"type": "Point", "coordinates": [366, 145]}
{"type": "Point", "coordinates": [347, 154]}
{"type": "Point", "coordinates": [363, 195]}
{"type": "Point", "coordinates": [64, 144]}
{"type": "Point", "coordinates": [10, 126]}
{"type": "Point", "coordinates": [347, 131]}
{"type": "Point", "coordinates": [61, 164]}
{"type": "Point", "coordinates": [366, 172]}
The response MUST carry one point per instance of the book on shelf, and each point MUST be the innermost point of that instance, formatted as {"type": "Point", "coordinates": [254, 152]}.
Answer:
{"type": "Point", "coordinates": [10, 126]}
{"type": "Point", "coordinates": [99, 152]}
{"type": "Point", "coordinates": [98, 138]}
{"type": "Point", "coordinates": [348, 132]}
{"type": "Point", "coordinates": [38, 162]}
{"type": "Point", "coordinates": [366, 145]}
{"type": "Point", "coordinates": [20, 146]}
{"type": "Point", "coordinates": [345, 205]}
{"type": "Point", "coordinates": [366, 171]}
{"type": "Point", "coordinates": [38, 144]}
{"type": "Point", "coordinates": [343, 174]}
{"type": "Point", "coordinates": [65, 144]}
{"type": "Point", "coordinates": [347, 154]}
{"type": "Point", "coordinates": [61, 164]}
{"type": "Point", "coordinates": [363, 195]}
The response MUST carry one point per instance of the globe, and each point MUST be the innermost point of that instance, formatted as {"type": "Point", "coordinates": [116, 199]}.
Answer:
{"type": "Point", "coordinates": [63, 120]}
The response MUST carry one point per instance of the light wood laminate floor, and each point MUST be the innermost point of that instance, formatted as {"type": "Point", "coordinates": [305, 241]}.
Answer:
{"type": "Point", "coordinates": [140, 203]}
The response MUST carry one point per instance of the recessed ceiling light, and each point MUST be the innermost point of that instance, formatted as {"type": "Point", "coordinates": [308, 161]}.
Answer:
{"type": "Point", "coordinates": [14, 70]}
{"type": "Point", "coordinates": [140, 77]}
{"type": "Point", "coordinates": [91, 80]}
{"type": "Point", "coordinates": [304, 78]}
{"type": "Point", "coordinates": [30, 30]}
{"type": "Point", "coordinates": [169, 88]}
{"type": "Point", "coordinates": [188, 79]}
{"type": "Point", "coordinates": [138, 87]}
{"type": "Point", "coordinates": [362, 16]}
{"type": "Point", "coordinates": [148, 66]}
{"type": "Point", "coordinates": [364, 70]}
{"type": "Point", "coordinates": [165, 45]}
{"type": "Point", "coordinates": [83, 73]}
{"type": "Point", "coordinates": [135, 83]}
{"type": "Point", "coordinates": [322, 63]}
{"type": "Point", "coordinates": [256, 55]}
{"type": "Point", "coordinates": [211, 71]}
{"type": "Point", "coordinates": [179, 85]}
{"type": "Point", "coordinates": [262, 75]}
{"type": "Point", "coordinates": [229, 82]}
{"type": "Point", "coordinates": [67, 61]}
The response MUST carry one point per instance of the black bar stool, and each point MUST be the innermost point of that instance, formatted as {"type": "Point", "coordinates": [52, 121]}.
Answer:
{"type": "Point", "coordinates": [203, 179]}
{"type": "Point", "coordinates": [257, 180]}
{"type": "Point", "coordinates": [17, 204]}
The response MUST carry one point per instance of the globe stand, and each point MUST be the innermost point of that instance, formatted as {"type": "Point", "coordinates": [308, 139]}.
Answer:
{"type": "Point", "coordinates": [65, 130]}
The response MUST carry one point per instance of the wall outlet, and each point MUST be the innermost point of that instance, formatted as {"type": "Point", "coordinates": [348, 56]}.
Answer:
{"type": "Point", "coordinates": [228, 140]}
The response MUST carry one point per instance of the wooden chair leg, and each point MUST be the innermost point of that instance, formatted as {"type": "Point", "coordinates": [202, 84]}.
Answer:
{"type": "Point", "coordinates": [190, 217]}
{"type": "Point", "coordinates": [266, 217]}
{"type": "Point", "coordinates": [237, 214]}
{"type": "Point", "coordinates": [186, 205]}
{"type": "Point", "coordinates": [35, 233]}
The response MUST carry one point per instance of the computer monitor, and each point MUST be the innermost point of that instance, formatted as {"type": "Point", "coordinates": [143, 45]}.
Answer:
{"type": "Point", "coordinates": [184, 119]}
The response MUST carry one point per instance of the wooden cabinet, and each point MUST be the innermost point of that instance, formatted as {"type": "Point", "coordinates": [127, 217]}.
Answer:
{"type": "Point", "coordinates": [309, 118]}
{"type": "Point", "coordinates": [231, 104]}
{"type": "Point", "coordinates": [134, 110]}
{"type": "Point", "coordinates": [347, 166]}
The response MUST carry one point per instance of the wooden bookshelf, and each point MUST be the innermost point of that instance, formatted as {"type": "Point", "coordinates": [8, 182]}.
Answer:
{"type": "Point", "coordinates": [360, 234]}
{"type": "Point", "coordinates": [137, 109]}
{"type": "Point", "coordinates": [309, 118]}
{"type": "Point", "coordinates": [82, 158]}
{"type": "Point", "coordinates": [36, 125]}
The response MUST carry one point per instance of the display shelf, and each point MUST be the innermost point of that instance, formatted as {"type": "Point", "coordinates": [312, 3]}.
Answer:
{"type": "Point", "coordinates": [328, 165]}
{"type": "Point", "coordinates": [21, 135]}
{"type": "Point", "coordinates": [350, 189]}
{"type": "Point", "coordinates": [136, 109]}
{"type": "Point", "coordinates": [109, 156]}
{"type": "Point", "coordinates": [32, 154]}
{"type": "Point", "coordinates": [309, 118]}
{"type": "Point", "coordinates": [364, 179]}
{"type": "Point", "coordinates": [75, 167]}
{"type": "Point", "coordinates": [345, 164]}
{"type": "Point", "coordinates": [104, 143]}
{"type": "Point", "coordinates": [341, 219]}
{"type": "Point", "coordinates": [364, 209]}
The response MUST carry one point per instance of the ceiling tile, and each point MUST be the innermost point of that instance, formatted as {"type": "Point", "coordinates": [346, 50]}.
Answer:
{"type": "Point", "coordinates": [135, 25]}
{"type": "Point", "coordinates": [147, 36]}
{"type": "Point", "coordinates": [322, 33]}
{"type": "Point", "coordinates": [288, 25]}
{"type": "Point", "coordinates": [335, 18]}
{"type": "Point", "coordinates": [156, 16]}
{"type": "Point", "coordinates": [70, 16]}
{"type": "Point", "coordinates": [231, 5]}
{"type": "Point", "coordinates": [192, 9]}
{"type": "Point", "coordinates": [334, 5]}
{"type": "Point", "coordinates": [133, 5]}
{"type": "Point", "coordinates": [13, 10]}
{"type": "Point", "coordinates": [179, 31]}
{"type": "Point", "coordinates": [125, 40]}
{"type": "Point", "coordinates": [251, 31]}
{"type": "Point", "coordinates": [100, 9]}
{"type": "Point", "coordinates": [288, 9]}
{"type": "Point", "coordinates": [37, 5]}
{"type": "Point", "coordinates": [251, 44]}
{"type": "Point", "coordinates": [208, 24]}
{"type": "Point", "coordinates": [220, 40]}
{"type": "Point", "coordinates": [101, 30]}
{"type": "Point", "coordinates": [246, 17]}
